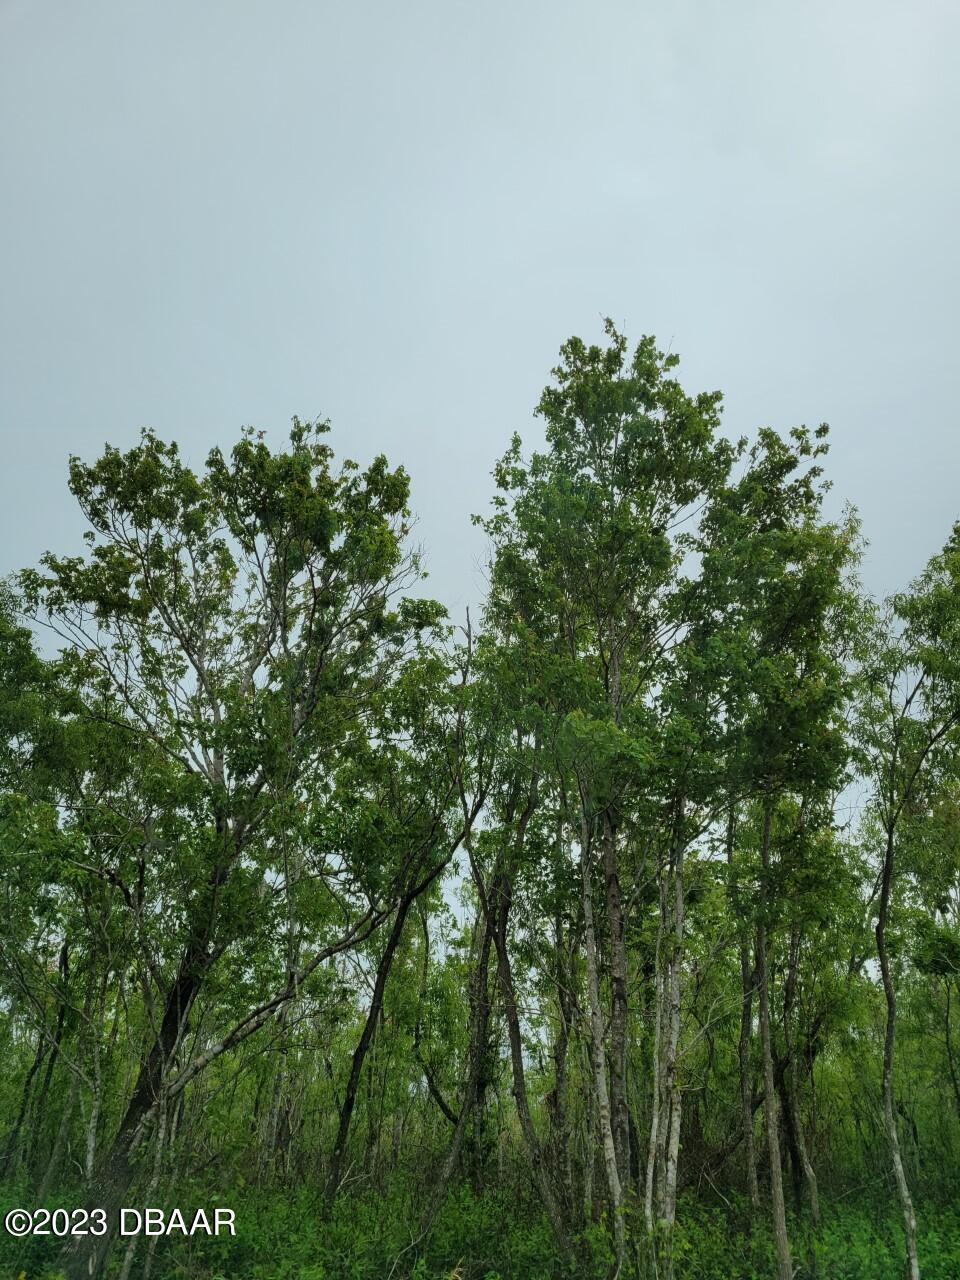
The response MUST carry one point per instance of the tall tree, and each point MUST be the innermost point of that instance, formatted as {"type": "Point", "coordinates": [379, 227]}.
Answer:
{"type": "Point", "coordinates": [238, 622]}
{"type": "Point", "coordinates": [790, 608]}
{"type": "Point", "coordinates": [909, 721]}
{"type": "Point", "coordinates": [590, 530]}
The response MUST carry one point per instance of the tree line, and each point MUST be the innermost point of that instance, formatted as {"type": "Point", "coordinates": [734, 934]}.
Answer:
{"type": "Point", "coordinates": [638, 892]}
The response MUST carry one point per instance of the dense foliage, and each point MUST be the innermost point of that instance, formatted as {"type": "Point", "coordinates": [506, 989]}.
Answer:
{"type": "Point", "coordinates": [616, 932]}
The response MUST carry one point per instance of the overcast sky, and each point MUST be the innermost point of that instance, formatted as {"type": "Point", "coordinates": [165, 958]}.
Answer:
{"type": "Point", "coordinates": [392, 214]}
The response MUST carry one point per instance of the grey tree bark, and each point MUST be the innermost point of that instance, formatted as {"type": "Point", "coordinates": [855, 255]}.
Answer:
{"type": "Point", "coordinates": [784, 1261]}
{"type": "Point", "coordinates": [599, 1066]}
{"type": "Point", "coordinates": [889, 1045]}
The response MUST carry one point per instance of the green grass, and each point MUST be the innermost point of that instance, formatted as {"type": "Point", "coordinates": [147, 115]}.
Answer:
{"type": "Point", "coordinates": [495, 1238]}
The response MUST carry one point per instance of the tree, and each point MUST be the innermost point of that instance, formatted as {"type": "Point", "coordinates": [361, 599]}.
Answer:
{"type": "Point", "coordinates": [910, 712]}
{"type": "Point", "coordinates": [787, 702]}
{"type": "Point", "coordinates": [484, 952]}
{"type": "Point", "coordinates": [240, 624]}
{"type": "Point", "coordinates": [586, 550]}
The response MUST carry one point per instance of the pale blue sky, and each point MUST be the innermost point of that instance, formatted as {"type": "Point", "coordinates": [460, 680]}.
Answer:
{"type": "Point", "coordinates": [392, 214]}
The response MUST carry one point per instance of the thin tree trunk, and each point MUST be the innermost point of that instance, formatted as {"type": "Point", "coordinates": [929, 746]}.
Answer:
{"type": "Point", "coordinates": [360, 1053]}
{"type": "Point", "coordinates": [671, 1074]}
{"type": "Point", "coordinates": [276, 1149]}
{"type": "Point", "coordinates": [653, 1145]}
{"type": "Point", "coordinates": [557, 1098]}
{"type": "Point", "coordinates": [784, 1262]}
{"type": "Point", "coordinates": [501, 910]}
{"type": "Point", "coordinates": [746, 1024]}
{"type": "Point", "coordinates": [271, 1129]}
{"type": "Point", "coordinates": [619, 1110]}
{"type": "Point", "coordinates": [41, 1102]}
{"type": "Point", "coordinates": [479, 1022]}
{"type": "Point", "coordinates": [96, 1081]}
{"type": "Point", "coordinates": [792, 1089]}
{"type": "Point", "coordinates": [788, 1132]}
{"type": "Point", "coordinates": [599, 1066]}
{"type": "Point", "coordinates": [11, 1151]}
{"type": "Point", "coordinates": [746, 1074]}
{"type": "Point", "coordinates": [63, 1132]}
{"type": "Point", "coordinates": [159, 1140]}
{"type": "Point", "coordinates": [670, 1178]}
{"type": "Point", "coordinates": [664, 1145]}
{"type": "Point", "coordinates": [889, 1044]}
{"type": "Point", "coordinates": [93, 1123]}
{"type": "Point", "coordinates": [60, 1141]}
{"type": "Point", "coordinates": [588, 1134]}
{"type": "Point", "coordinates": [951, 1064]}
{"type": "Point", "coordinates": [432, 1086]}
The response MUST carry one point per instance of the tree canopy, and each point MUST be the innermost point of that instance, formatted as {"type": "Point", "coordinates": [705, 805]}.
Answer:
{"type": "Point", "coordinates": [613, 932]}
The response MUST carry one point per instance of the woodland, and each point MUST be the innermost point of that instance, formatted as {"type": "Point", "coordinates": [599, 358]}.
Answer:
{"type": "Point", "coordinates": [611, 932]}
